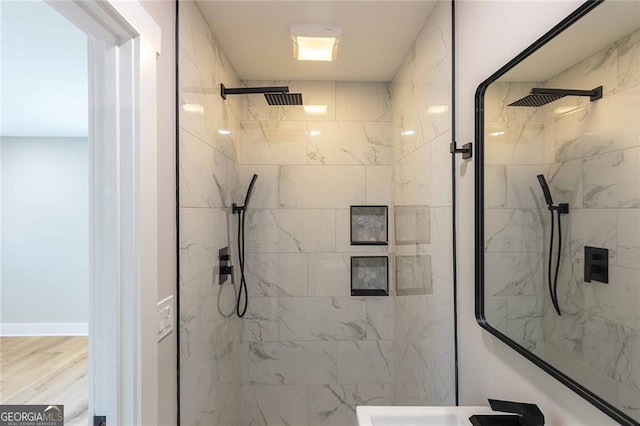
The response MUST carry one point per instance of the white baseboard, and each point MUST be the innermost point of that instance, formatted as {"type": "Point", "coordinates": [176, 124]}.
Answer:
{"type": "Point", "coordinates": [44, 329]}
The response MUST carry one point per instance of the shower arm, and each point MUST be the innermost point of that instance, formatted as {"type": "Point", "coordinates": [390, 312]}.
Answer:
{"type": "Point", "coordinates": [593, 95]}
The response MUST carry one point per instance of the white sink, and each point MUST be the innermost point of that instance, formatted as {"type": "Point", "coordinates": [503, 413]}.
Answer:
{"type": "Point", "coordinates": [418, 416]}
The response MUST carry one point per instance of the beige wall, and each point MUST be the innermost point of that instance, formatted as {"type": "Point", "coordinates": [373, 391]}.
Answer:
{"type": "Point", "coordinates": [163, 12]}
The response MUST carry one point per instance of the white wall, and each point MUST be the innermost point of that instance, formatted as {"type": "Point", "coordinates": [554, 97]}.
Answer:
{"type": "Point", "coordinates": [488, 35]}
{"type": "Point", "coordinates": [34, 37]}
{"type": "Point", "coordinates": [163, 12]}
{"type": "Point", "coordinates": [45, 236]}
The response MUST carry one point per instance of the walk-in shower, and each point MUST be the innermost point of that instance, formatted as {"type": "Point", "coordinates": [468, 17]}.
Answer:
{"type": "Point", "coordinates": [292, 345]}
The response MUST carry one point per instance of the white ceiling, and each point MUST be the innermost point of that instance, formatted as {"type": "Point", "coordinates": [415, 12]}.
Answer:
{"type": "Point", "coordinates": [601, 27]}
{"type": "Point", "coordinates": [44, 74]}
{"type": "Point", "coordinates": [376, 36]}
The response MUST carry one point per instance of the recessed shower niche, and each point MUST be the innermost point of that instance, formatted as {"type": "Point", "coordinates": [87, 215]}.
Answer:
{"type": "Point", "coordinates": [369, 225]}
{"type": "Point", "coordinates": [369, 276]}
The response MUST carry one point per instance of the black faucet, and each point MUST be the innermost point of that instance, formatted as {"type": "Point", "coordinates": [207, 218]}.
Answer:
{"type": "Point", "coordinates": [526, 415]}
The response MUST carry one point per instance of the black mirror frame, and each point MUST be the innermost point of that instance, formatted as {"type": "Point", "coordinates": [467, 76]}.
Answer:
{"type": "Point", "coordinates": [600, 403]}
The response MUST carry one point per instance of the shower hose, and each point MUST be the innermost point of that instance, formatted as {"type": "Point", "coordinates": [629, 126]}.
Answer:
{"type": "Point", "coordinates": [553, 285]}
{"type": "Point", "coordinates": [243, 282]}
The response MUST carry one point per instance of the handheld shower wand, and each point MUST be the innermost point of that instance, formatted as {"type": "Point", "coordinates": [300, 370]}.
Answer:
{"type": "Point", "coordinates": [241, 210]}
{"type": "Point", "coordinates": [562, 208]}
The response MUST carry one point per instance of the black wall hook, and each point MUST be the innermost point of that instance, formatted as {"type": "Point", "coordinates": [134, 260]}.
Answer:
{"type": "Point", "coordinates": [466, 150]}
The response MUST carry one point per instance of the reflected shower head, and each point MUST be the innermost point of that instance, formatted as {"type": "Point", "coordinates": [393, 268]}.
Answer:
{"type": "Point", "coordinates": [540, 97]}
{"type": "Point", "coordinates": [283, 99]}
{"type": "Point", "coordinates": [536, 100]}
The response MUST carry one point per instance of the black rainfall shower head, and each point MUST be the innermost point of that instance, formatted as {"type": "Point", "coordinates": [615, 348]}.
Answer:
{"type": "Point", "coordinates": [283, 99]}
{"type": "Point", "coordinates": [277, 95]}
{"type": "Point", "coordinates": [540, 97]}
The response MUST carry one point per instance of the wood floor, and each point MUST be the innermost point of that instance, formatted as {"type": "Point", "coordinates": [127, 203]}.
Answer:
{"type": "Point", "coordinates": [46, 370]}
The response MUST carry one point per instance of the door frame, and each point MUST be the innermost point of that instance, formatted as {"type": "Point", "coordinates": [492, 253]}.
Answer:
{"type": "Point", "coordinates": [123, 44]}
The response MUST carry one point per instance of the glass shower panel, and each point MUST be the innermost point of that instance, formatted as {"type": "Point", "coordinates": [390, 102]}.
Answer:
{"type": "Point", "coordinates": [424, 348]}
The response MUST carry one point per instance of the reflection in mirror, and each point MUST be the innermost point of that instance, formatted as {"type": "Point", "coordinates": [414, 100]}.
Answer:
{"type": "Point", "coordinates": [537, 255]}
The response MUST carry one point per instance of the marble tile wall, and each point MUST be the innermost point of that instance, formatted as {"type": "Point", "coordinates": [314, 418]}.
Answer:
{"type": "Point", "coordinates": [423, 296]}
{"type": "Point", "coordinates": [514, 151]}
{"type": "Point", "coordinates": [209, 178]}
{"type": "Point", "coordinates": [592, 160]}
{"type": "Point", "coordinates": [310, 351]}
{"type": "Point", "coordinates": [590, 154]}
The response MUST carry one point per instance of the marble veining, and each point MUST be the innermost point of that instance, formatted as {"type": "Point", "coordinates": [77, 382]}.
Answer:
{"type": "Point", "coordinates": [362, 101]}
{"type": "Point", "coordinates": [265, 406]}
{"type": "Point", "coordinates": [607, 182]}
{"type": "Point", "coordinates": [321, 187]}
{"type": "Point", "coordinates": [366, 361]}
{"type": "Point", "coordinates": [524, 317]}
{"type": "Point", "coordinates": [628, 238]}
{"type": "Point", "coordinates": [412, 224]}
{"type": "Point", "coordinates": [413, 275]}
{"type": "Point", "coordinates": [336, 404]}
{"type": "Point", "coordinates": [513, 143]}
{"type": "Point", "coordinates": [344, 143]}
{"type": "Point", "coordinates": [289, 362]}
{"type": "Point", "coordinates": [513, 230]}
{"type": "Point", "coordinates": [628, 49]}
{"type": "Point", "coordinates": [514, 274]}
{"type": "Point", "coordinates": [261, 320]}
{"type": "Point", "coordinates": [379, 318]}
{"type": "Point", "coordinates": [290, 231]}
{"type": "Point", "coordinates": [329, 274]}
{"type": "Point", "coordinates": [276, 274]}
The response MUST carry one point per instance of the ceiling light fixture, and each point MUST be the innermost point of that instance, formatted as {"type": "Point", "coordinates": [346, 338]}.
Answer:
{"type": "Point", "coordinates": [315, 42]}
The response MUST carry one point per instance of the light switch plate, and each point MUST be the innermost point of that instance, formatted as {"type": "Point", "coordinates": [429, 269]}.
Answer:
{"type": "Point", "coordinates": [165, 317]}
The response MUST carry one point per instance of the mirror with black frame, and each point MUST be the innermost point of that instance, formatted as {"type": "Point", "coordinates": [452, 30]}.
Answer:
{"type": "Point", "coordinates": [558, 205]}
